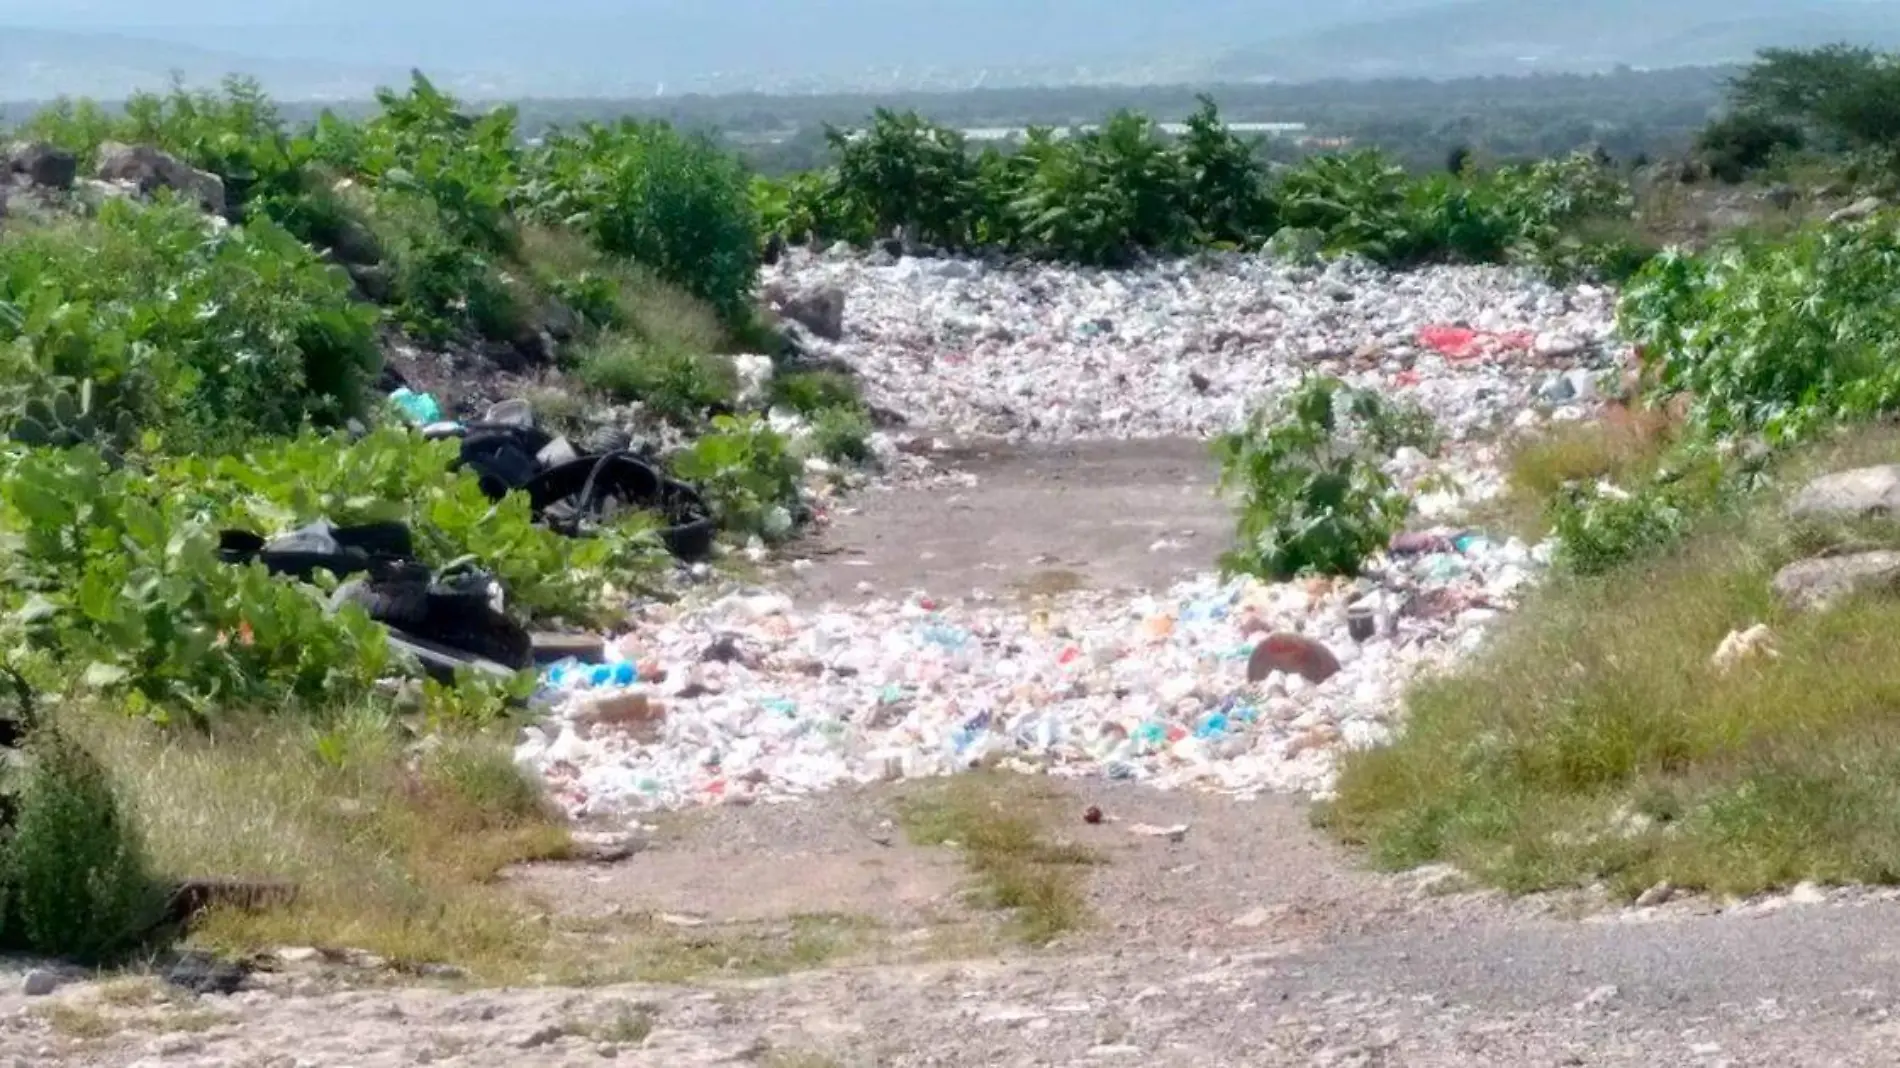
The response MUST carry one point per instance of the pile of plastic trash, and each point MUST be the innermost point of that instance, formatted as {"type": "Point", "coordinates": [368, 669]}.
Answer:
{"type": "Point", "coordinates": [1189, 347]}
{"type": "Point", "coordinates": [748, 699]}
{"type": "Point", "coordinates": [751, 700]}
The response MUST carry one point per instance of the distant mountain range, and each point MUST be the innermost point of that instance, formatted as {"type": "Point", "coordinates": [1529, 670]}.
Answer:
{"type": "Point", "coordinates": [42, 64]}
{"type": "Point", "coordinates": [620, 48]}
{"type": "Point", "coordinates": [1486, 37]}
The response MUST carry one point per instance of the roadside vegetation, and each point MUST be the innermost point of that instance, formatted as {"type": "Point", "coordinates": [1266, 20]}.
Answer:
{"type": "Point", "coordinates": [1601, 737]}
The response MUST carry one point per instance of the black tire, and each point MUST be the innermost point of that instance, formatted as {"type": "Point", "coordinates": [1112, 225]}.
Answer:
{"type": "Point", "coordinates": [389, 539]}
{"type": "Point", "coordinates": [690, 542]}
{"type": "Point", "coordinates": [239, 546]}
{"type": "Point", "coordinates": [486, 634]}
{"type": "Point", "coordinates": [606, 439]}
{"type": "Point", "coordinates": [396, 599]}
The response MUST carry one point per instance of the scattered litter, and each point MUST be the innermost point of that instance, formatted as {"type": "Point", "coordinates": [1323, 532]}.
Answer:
{"type": "Point", "coordinates": [1176, 833]}
{"type": "Point", "coordinates": [1743, 645]}
{"type": "Point", "coordinates": [421, 409]}
{"type": "Point", "coordinates": [1092, 815]}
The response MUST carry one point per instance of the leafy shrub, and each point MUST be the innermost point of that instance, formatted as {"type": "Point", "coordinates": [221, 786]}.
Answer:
{"type": "Point", "coordinates": [78, 126]}
{"type": "Point", "coordinates": [421, 145]}
{"type": "Point", "coordinates": [673, 203]}
{"type": "Point", "coordinates": [389, 475]}
{"type": "Point", "coordinates": [115, 583]}
{"type": "Point", "coordinates": [1600, 529]}
{"type": "Point", "coordinates": [202, 336]}
{"type": "Point", "coordinates": [73, 877]}
{"type": "Point", "coordinates": [902, 173]}
{"type": "Point", "coordinates": [841, 435]}
{"type": "Point", "coordinates": [811, 392]}
{"type": "Point", "coordinates": [1314, 497]}
{"type": "Point", "coordinates": [1742, 142]}
{"type": "Point", "coordinates": [1357, 200]}
{"type": "Point", "coordinates": [1103, 196]}
{"type": "Point", "coordinates": [747, 472]}
{"type": "Point", "coordinates": [1227, 195]}
{"type": "Point", "coordinates": [1781, 337]}
{"type": "Point", "coordinates": [808, 207]}
{"type": "Point", "coordinates": [680, 386]}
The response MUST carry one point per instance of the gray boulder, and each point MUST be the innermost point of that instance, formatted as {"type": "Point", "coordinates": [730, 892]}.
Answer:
{"type": "Point", "coordinates": [149, 170]}
{"type": "Point", "coordinates": [44, 165]}
{"type": "Point", "coordinates": [1863, 493]}
{"type": "Point", "coordinates": [819, 310]}
{"type": "Point", "coordinates": [1818, 584]}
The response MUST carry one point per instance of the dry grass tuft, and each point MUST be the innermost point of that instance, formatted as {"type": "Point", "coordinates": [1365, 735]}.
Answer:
{"type": "Point", "coordinates": [997, 820]}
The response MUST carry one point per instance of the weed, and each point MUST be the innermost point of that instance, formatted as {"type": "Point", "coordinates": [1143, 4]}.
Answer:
{"type": "Point", "coordinates": [810, 392]}
{"type": "Point", "coordinates": [1315, 498]}
{"type": "Point", "coordinates": [683, 387]}
{"type": "Point", "coordinates": [79, 1023]}
{"type": "Point", "coordinates": [993, 821]}
{"type": "Point", "coordinates": [393, 860]}
{"type": "Point", "coordinates": [842, 435]}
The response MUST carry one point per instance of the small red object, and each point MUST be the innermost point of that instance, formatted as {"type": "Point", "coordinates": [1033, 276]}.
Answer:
{"type": "Point", "coordinates": [1093, 815]}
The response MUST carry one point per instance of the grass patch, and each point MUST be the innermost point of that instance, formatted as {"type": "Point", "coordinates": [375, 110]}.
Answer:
{"type": "Point", "coordinates": [1594, 740]}
{"type": "Point", "coordinates": [997, 821]}
{"type": "Point", "coordinates": [811, 392]}
{"type": "Point", "coordinates": [1623, 447]}
{"type": "Point", "coordinates": [392, 854]}
{"type": "Point", "coordinates": [680, 385]}
{"type": "Point", "coordinates": [616, 294]}
{"type": "Point", "coordinates": [80, 1023]}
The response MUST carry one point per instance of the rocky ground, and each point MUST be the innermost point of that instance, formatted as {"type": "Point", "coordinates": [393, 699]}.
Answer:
{"type": "Point", "coordinates": [1044, 587]}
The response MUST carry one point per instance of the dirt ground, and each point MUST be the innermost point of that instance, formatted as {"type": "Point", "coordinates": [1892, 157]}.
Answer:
{"type": "Point", "coordinates": [1040, 518]}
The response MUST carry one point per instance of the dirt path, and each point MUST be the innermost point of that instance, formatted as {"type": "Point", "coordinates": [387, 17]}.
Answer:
{"type": "Point", "coordinates": [813, 935]}
{"type": "Point", "coordinates": [1041, 518]}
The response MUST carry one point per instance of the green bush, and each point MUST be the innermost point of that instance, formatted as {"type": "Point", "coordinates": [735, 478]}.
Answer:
{"type": "Point", "coordinates": [1227, 195]}
{"type": "Point", "coordinates": [73, 876]}
{"type": "Point", "coordinates": [113, 583]}
{"type": "Point", "coordinates": [421, 146]}
{"type": "Point", "coordinates": [1782, 337]}
{"type": "Point", "coordinates": [813, 206]}
{"type": "Point", "coordinates": [1314, 498]}
{"type": "Point", "coordinates": [747, 472]}
{"type": "Point", "coordinates": [1102, 197]}
{"type": "Point", "coordinates": [203, 337]}
{"type": "Point", "coordinates": [1743, 142]}
{"type": "Point", "coordinates": [811, 392]}
{"type": "Point", "coordinates": [903, 173]}
{"type": "Point", "coordinates": [842, 435]}
{"type": "Point", "coordinates": [389, 475]}
{"type": "Point", "coordinates": [673, 203]}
